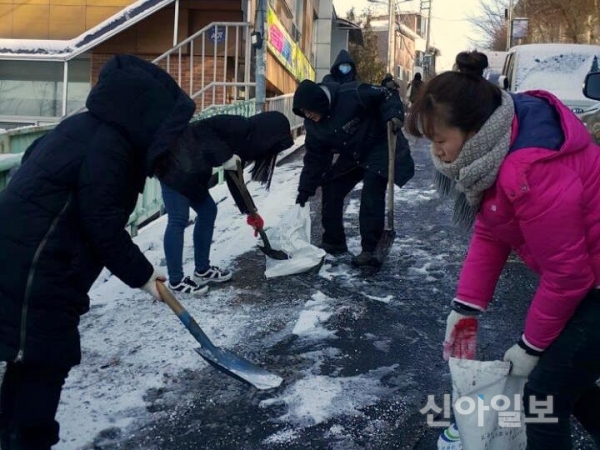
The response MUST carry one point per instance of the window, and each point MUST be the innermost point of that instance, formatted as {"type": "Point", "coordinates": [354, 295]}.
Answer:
{"type": "Point", "coordinates": [509, 70]}
{"type": "Point", "coordinates": [35, 88]}
{"type": "Point", "coordinates": [299, 17]}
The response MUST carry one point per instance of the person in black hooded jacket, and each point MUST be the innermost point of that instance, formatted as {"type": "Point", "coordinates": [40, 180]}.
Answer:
{"type": "Point", "coordinates": [350, 120]}
{"type": "Point", "coordinates": [185, 172]}
{"type": "Point", "coordinates": [343, 69]}
{"type": "Point", "coordinates": [64, 216]}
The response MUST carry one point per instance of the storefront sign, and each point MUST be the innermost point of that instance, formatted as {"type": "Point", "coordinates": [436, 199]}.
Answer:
{"type": "Point", "coordinates": [287, 52]}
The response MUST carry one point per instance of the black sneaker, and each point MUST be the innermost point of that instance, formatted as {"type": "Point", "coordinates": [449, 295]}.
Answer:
{"type": "Point", "coordinates": [188, 286]}
{"type": "Point", "coordinates": [212, 275]}
{"type": "Point", "coordinates": [334, 249]}
{"type": "Point", "coordinates": [365, 259]}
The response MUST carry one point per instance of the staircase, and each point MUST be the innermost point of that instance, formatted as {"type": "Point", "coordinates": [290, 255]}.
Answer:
{"type": "Point", "coordinates": [213, 64]}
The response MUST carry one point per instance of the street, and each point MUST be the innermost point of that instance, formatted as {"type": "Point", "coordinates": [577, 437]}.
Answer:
{"type": "Point", "coordinates": [359, 354]}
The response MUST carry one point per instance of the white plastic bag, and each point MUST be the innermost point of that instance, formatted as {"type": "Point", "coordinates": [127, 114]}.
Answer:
{"type": "Point", "coordinates": [497, 421]}
{"type": "Point", "coordinates": [292, 235]}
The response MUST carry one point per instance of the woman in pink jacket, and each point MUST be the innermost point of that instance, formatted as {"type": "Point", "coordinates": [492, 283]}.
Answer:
{"type": "Point", "coordinates": [525, 173]}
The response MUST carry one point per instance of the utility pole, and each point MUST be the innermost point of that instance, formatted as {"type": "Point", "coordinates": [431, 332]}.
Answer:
{"type": "Point", "coordinates": [260, 45]}
{"type": "Point", "coordinates": [391, 37]}
{"type": "Point", "coordinates": [426, 6]}
{"type": "Point", "coordinates": [509, 25]}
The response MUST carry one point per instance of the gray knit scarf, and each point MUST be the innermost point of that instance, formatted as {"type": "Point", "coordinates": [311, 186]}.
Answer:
{"type": "Point", "coordinates": [477, 165]}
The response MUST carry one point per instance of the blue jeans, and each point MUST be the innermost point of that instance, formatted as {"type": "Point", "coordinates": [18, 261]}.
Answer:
{"type": "Point", "coordinates": [178, 209]}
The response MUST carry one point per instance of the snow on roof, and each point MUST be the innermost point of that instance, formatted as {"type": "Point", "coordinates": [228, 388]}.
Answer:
{"type": "Point", "coordinates": [554, 48]}
{"type": "Point", "coordinates": [63, 50]}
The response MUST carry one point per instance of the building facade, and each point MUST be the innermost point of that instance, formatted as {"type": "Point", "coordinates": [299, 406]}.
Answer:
{"type": "Point", "coordinates": [52, 51]}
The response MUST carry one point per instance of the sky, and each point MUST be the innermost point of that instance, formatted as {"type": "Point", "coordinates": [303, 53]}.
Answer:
{"type": "Point", "coordinates": [450, 31]}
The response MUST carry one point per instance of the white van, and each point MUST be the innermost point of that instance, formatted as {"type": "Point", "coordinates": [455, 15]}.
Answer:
{"type": "Point", "coordinates": [557, 68]}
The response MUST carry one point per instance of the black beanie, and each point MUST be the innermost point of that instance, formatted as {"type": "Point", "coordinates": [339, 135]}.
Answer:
{"type": "Point", "coordinates": [310, 96]}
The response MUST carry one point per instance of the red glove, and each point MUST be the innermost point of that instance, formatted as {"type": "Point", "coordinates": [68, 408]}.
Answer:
{"type": "Point", "coordinates": [461, 336]}
{"type": "Point", "coordinates": [255, 222]}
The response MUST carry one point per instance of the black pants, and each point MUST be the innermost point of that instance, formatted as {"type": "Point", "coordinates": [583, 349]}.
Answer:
{"type": "Point", "coordinates": [372, 207]}
{"type": "Point", "coordinates": [29, 399]}
{"type": "Point", "coordinates": [568, 371]}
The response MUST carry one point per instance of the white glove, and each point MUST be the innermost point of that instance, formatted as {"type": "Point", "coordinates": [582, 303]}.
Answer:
{"type": "Point", "coordinates": [150, 285]}
{"type": "Point", "coordinates": [523, 361]}
{"type": "Point", "coordinates": [232, 163]}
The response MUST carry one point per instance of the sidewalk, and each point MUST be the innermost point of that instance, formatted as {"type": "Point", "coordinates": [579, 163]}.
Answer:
{"type": "Point", "coordinates": [359, 356]}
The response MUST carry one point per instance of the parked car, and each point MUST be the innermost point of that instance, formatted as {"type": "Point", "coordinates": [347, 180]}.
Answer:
{"type": "Point", "coordinates": [492, 76]}
{"type": "Point", "coordinates": [558, 68]}
{"type": "Point", "coordinates": [591, 118]}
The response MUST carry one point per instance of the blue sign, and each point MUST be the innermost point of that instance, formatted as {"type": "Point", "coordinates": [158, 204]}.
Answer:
{"type": "Point", "coordinates": [217, 34]}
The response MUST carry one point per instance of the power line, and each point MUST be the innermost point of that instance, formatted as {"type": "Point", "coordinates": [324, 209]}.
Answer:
{"type": "Point", "coordinates": [449, 20]}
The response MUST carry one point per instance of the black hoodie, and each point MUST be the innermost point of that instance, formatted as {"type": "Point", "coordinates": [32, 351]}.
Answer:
{"type": "Point", "coordinates": [334, 73]}
{"type": "Point", "coordinates": [353, 124]}
{"type": "Point", "coordinates": [69, 203]}
{"type": "Point", "coordinates": [208, 143]}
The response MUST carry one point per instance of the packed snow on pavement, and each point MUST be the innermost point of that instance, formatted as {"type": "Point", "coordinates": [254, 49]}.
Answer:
{"type": "Point", "coordinates": [132, 345]}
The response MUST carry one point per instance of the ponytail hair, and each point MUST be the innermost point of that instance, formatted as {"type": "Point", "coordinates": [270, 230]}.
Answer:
{"type": "Point", "coordinates": [473, 63]}
{"type": "Point", "coordinates": [457, 99]}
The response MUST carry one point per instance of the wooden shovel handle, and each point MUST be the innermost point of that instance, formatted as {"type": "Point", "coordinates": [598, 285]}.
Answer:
{"type": "Point", "coordinates": [391, 171]}
{"type": "Point", "coordinates": [169, 298]}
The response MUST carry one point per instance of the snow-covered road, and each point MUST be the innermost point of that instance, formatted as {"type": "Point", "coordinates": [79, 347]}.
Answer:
{"type": "Point", "coordinates": [359, 355]}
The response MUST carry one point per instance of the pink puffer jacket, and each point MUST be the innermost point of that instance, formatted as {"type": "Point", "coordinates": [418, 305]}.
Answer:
{"type": "Point", "coordinates": [545, 206]}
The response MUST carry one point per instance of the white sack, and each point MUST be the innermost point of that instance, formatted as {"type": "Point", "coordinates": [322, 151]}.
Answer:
{"type": "Point", "coordinates": [292, 235]}
{"type": "Point", "coordinates": [484, 382]}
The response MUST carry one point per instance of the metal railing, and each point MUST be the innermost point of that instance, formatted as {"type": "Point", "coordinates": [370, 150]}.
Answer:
{"type": "Point", "coordinates": [14, 142]}
{"type": "Point", "coordinates": [228, 44]}
{"type": "Point", "coordinates": [17, 140]}
{"type": "Point", "coordinates": [283, 104]}
{"type": "Point", "coordinates": [23, 121]}
{"type": "Point", "coordinates": [213, 64]}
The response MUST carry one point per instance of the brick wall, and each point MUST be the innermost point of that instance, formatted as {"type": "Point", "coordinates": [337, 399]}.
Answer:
{"type": "Point", "coordinates": [213, 69]}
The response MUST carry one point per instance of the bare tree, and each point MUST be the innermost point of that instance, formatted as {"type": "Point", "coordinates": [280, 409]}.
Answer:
{"type": "Point", "coordinates": [490, 24]}
{"type": "Point", "coordinates": [573, 21]}
{"type": "Point", "coordinates": [369, 66]}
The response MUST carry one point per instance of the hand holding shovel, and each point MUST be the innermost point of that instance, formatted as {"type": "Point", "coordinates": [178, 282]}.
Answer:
{"type": "Point", "coordinates": [238, 179]}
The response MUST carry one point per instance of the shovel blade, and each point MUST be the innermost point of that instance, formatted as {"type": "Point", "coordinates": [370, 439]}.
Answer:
{"type": "Point", "coordinates": [385, 245]}
{"type": "Point", "coordinates": [240, 368]}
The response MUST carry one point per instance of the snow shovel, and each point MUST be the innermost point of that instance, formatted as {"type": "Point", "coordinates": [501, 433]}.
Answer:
{"type": "Point", "coordinates": [224, 360]}
{"type": "Point", "coordinates": [238, 179]}
{"type": "Point", "coordinates": [389, 234]}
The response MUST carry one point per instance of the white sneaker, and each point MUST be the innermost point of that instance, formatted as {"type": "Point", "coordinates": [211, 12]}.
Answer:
{"type": "Point", "coordinates": [188, 286]}
{"type": "Point", "coordinates": [212, 275]}
{"type": "Point", "coordinates": [450, 439]}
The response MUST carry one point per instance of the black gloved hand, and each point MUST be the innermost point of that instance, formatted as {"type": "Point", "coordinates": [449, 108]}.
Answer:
{"type": "Point", "coordinates": [302, 198]}
{"type": "Point", "coordinates": [389, 82]}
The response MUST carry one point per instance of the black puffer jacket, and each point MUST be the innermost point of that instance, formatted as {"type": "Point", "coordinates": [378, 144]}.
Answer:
{"type": "Point", "coordinates": [353, 125]}
{"type": "Point", "coordinates": [64, 212]}
{"type": "Point", "coordinates": [208, 143]}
